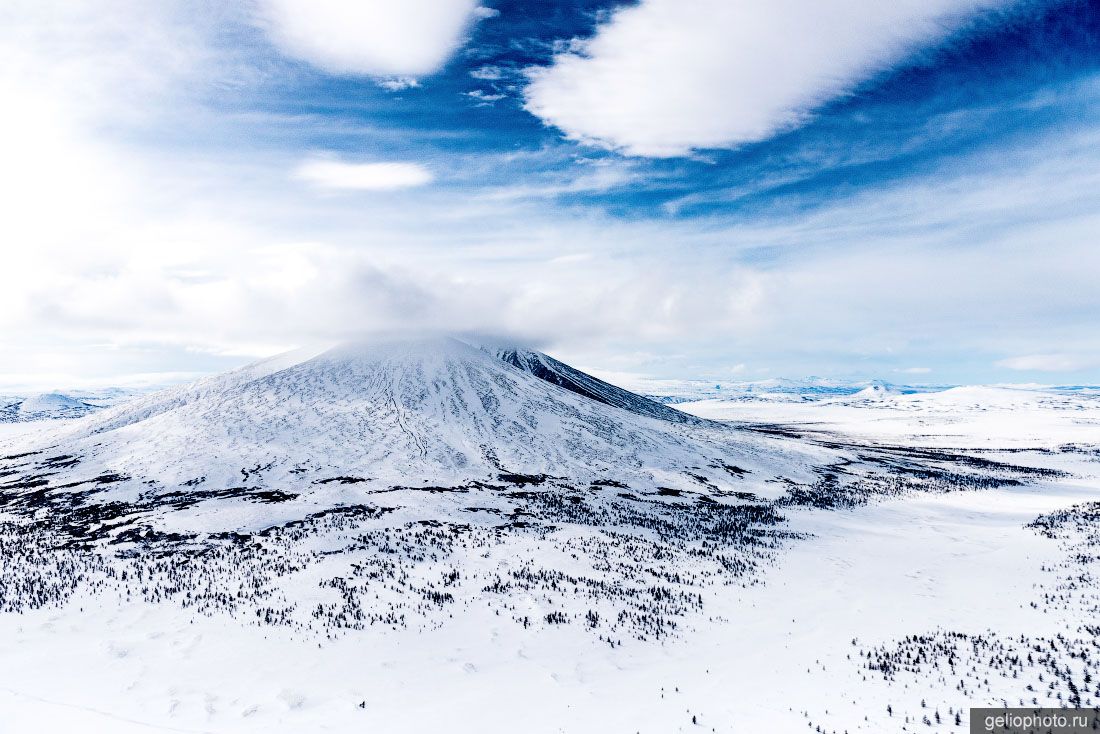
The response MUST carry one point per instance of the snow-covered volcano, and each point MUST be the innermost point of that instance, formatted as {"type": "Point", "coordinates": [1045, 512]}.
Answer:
{"type": "Point", "coordinates": [408, 412]}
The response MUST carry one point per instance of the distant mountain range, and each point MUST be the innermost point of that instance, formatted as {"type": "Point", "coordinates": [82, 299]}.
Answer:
{"type": "Point", "coordinates": [58, 405]}
{"type": "Point", "coordinates": [672, 392]}
{"type": "Point", "coordinates": [44, 406]}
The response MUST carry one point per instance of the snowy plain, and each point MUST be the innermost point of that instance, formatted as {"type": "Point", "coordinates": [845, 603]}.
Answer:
{"type": "Point", "coordinates": [994, 416]}
{"type": "Point", "coordinates": [802, 633]}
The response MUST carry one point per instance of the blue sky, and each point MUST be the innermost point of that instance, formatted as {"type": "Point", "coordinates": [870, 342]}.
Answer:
{"type": "Point", "coordinates": [716, 190]}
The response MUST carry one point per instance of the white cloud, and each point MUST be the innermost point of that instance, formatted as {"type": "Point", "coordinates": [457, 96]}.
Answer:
{"type": "Point", "coordinates": [484, 97]}
{"type": "Point", "coordinates": [165, 256]}
{"type": "Point", "coordinates": [487, 73]}
{"type": "Point", "coordinates": [334, 174]}
{"type": "Point", "coordinates": [914, 370]}
{"type": "Point", "coordinates": [398, 84]}
{"type": "Point", "coordinates": [369, 37]}
{"type": "Point", "coordinates": [1047, 363]}
{"type": "Point", "coordinates": [665, 77]}
{"type": "Point", "coordinates": [484, 13]}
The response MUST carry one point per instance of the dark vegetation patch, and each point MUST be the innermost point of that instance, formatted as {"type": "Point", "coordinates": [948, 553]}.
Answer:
{"type": "Point", "coordinates": [12, 457]}
{"type": "Point", "coordinates": [1083, 519]}
{"type": "Point", "coordinates": [703, 480]}
{"type": "Point", "coordinates": [26, 483]}
{"type": "Point", "coordinates": [340, 514]}
{"type": "Point", "coordinates": [967, 668]}
{"type": "Point", "coordinates": [110, 478]}
{"type": "Point", "coordinates": [179, 499]}
{"type": "Point", "coordinates": [342, 480]}
{"type": "Point", "coordinates": [272, 496]}
{"type": "Point", "coordinates": [733, 471]}
{"type": "Point", "coordinates": [462, 489]}
{"type": "Point", "coordinates": [62, 461]}
{"type": "Point", "coordinates": [962, 669]}
{"type": "Point", "coordinates": [156, 540]}
{"type": "Point", "coordinates": [616, 564]}
{"type": "Point", "coordinates": [522, 479]}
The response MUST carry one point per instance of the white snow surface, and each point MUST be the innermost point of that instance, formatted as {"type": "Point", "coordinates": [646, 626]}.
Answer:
{"type": "Point", "coordinates": [969, 416]}
{"type": "Point", "coordinates": [419, 433]}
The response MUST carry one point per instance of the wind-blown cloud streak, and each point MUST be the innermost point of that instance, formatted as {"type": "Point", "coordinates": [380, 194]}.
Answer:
{"type": "Point", "coordinates": [666, 77]}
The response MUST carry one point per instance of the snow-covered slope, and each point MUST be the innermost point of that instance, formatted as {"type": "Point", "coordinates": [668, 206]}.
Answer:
{"type": "Point", "coordinates": [53, 404]}
{"type": "Point", "coordinates": [408, 412]}
{"type": "Point", "coordinates": [558, 373]}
